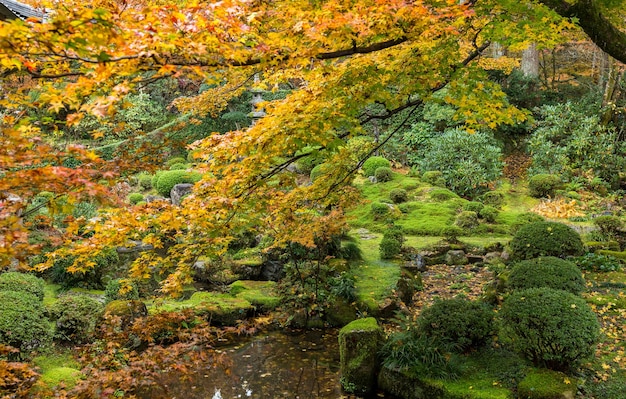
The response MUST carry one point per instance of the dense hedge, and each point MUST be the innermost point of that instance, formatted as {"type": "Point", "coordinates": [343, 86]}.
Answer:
{"type": "Point", "coordinates": [22, 321]}
{"type": "Point", "coordinates": [22, 282]}
{"type": "Point", "coordinates": [460, 322]}
{"type": "Point", "coordinates": [546, 239]}
{"type": "Point", "coordinates": [548, 272]}
{"type": "Point", "coordinates": [76, 318]}
{"type": "Point", "coordinates": [371, 164]}
{"type": "Point", "coordinates": [552, 328]}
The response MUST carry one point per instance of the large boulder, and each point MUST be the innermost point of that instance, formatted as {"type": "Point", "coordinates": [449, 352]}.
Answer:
{"type": "Point", "coordinates": [359, 343]}
{"type": "Point", "coordinates": [179, 191]}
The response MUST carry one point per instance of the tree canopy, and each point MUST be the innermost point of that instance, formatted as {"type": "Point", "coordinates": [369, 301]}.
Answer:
{"type": "Point", "coordinates": [345, 63]}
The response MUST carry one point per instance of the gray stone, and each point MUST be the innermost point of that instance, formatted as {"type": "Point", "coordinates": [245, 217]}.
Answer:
{"type": "Point", "coordinates": [473, 259]}
{"type": "Point", "coordinates": [154, 198]}
{"type": "Point", "coordinates": [372, 179]}
{"type": "Point", "coordinates": [359, 344]}
{"type": "Point", "coordinates": [492, 257]}
{"type": "Point", "coordinates": [456, 257]}
{"type": "Point", "coordinates": [179, 192]}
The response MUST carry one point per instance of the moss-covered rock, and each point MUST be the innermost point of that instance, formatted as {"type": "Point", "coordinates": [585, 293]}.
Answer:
{"type": "Point", "coordinates": [261, 294]}
{"type": "Point", "coordinates": [546, 384]}
{"type": "Point", "coordinates": [340, 313]}
{"type": "Point", "coordinates": [359, 344]}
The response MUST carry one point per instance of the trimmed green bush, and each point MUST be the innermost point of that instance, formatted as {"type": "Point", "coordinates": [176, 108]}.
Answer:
{"type": "Point", "coordinates": [134, 198]}
{"type": "Point", "coordinates": [548, 272]}
{"type": "Point", "coordinates": [466, 220]}
{"type": "Point", "coordinates": [22, 321]}
{"type": "Point", "coordinates": [22, 282]}
{"type": "Point", "coordinates": [145, 180]}
{"type": "Point", "coordinates": [175, 160]}
{"type": "Point", "coordinates": [383, 174]}
{"type": "Point", "coordinates": [544, 185]}
{"type": "Point", "coordinates": [398, 195]}
{"type": "Point", "coordinates": [168, 179]}
{"type": "Point", "coordinates": [546, 239]}
{"type": "Point", "coordinates": [451, 233]}
{"type": "Point", "coordinates": [551, 328]}
{"type": "Point", "coordinates": [112, 291]}
{"type": "Point", "coordinates": [462, 323]}
{"type": "Point", "coordinates": [351, 251]}
{"type": "Point", "coordinates": [609, 225]}
{"type": "Point", "coordinates": [434, 177]}
{"type": "Point", "coordinates": [391, 244]}
{"type": "Point", "coordinates": [523, 219]}
{"type": "Point", "coordinates": [493, 198]}
{"type": "Point", "coordinates": [180, 166]}
{"type": "Point", "coordinates": [379, 209]}
{"type": "Point", "coordinates": [489, 213]}
{"type": "Point", "coordinates": [442, 194]}
{"type": "Point", "coordinates": [473, 206]}
{"type": "Point", "coordinates": [372, 163]}
{"type": "Point", "coordinates": [76, 318]}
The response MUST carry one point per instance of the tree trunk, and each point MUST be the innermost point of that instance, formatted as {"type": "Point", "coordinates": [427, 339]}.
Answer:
{"type": "Point", "coordinates": [530, 61]}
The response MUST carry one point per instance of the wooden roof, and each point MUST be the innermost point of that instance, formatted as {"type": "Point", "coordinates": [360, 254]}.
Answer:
{"type": "Point", "coordinates": [10, 9]}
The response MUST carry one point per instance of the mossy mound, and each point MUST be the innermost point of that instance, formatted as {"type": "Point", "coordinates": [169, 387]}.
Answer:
{"type": "Point", "coordinates": [222, 309]}
{"type": "Point", "coordinates": [546, 384]}
{"type": "Point", "coordinates": [61, 375]}
{"type": "Point", "coordinates": [261, 294]}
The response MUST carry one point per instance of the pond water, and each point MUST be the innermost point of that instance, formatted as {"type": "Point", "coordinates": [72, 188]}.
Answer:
{"type": "Point", "coordinates": [294, 365]}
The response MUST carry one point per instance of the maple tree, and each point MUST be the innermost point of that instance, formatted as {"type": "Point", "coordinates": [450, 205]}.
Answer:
{"type": "Point", "coordinates": [349, 63]}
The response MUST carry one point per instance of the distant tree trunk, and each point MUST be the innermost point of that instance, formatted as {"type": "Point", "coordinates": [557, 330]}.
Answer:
{"type": "Point", "coordinates": [497, 50]}
{"type": "Point", "coordinates": [530, 61]}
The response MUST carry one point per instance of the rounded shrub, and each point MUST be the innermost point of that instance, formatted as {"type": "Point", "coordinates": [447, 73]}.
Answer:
{"type": "Point", "coordinates": [389, 248]}
{"type": "Point", "coordinates": [523, 219]}
{"type": "Point", "coordinates": [473, 206]}
{"type": "Point", "coordinates": [489, 213]}
{"type": "Point", "coordinates": [145, 180]}
{"type": "Point", "coordinates": [546, 239]}
{"type": "Point", "coordinates": [609, 225]}
{"type": "Point", "coordinates": [351, 251]}
{"type": "Point", "coordinates": [442, 194]}
{"type": "Point", "coordinates": [552, 328]}
{"type": "Point", "coordinates": [547, 271]}
{"type": "Point", "coordinates": [460, 322]}
{"type": "Point", "coordinates": [22, 282]}
{"type": "Point", "coordinates": [544, 185]}
{"type": "Point", "coordinates": [373, 163]}
{"type": "Point", "coordinates": [112, 291]}
{"type": "Point", "coordinates": [398, 195]}
{"type": "Point", "coordinates": [168, 179]}
{"type": "Point", "coordinates": [383, 174]}
{"type": "Point", "coordinates": [76, 318]}
{"type": "Point", "coordinates": [451, 233]}
{"type": "Point", "coordinates": [379, 209]}
{"type": "Point", "coordinates": [22, 321]}
{"type": "Point", "coordinates": [175, 160]}
{"type": "Point", "coordinates": [466, 220]}
{"type": "Point", "coordinates": [179, 166]}
{"type": "Point", "coordinates": [493, 198]}
{"type": "Point", "coordinates": [433, 177]}
{"type": "Point", "coordinates": [134, 198]}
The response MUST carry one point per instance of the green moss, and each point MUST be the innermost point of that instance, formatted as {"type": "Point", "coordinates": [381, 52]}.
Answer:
{"type": "Point", "coordinates": [366, 324]}
{"type": "Point", "coordinates": [617, 254]}
{"type": "Point", "coordinates": [50, 292]}
{"type": "Point", "coordinates": [545, 384]}
{"type": "Point", "coordinates": [259, 293]}
{"type": "Point", "coordinates": [476, 388]}
{"type": "Point", "coordinates": [359, 344]}
{"type": "Point", "coordinates": [57, 368]}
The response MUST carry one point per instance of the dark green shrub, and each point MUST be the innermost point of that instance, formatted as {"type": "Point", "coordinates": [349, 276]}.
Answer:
{"type": "Point", "coordinates": [609, 225]}
{"type": "Point", "coordinates": [398, 195]}
{"type": "Point", "coordinates": [473, 206]}
{"type": "Point", "coordinates": [134, 198]}
{"type": "Point", "coordinates": [489, 213]}
{"type": "Point", "coordinates": [168, 179]}
{"type": "Point", "coordinates": [433, 177]}
{"type": "Point", "coordinates": [451, 233]}
{"type": "Point", "coordinates": [22, 282]}
{"type": "Point", "coordinates": [112, 291]}
{"type": "Point", "coordinates": [597, 263]}
{"type": "Point", "coordinates": [343, 286]}
{"type": "Point", "coordinates": [460, 322]}
{"type": "Point", "coordinates": [76, 318]}
{"type": "Point", "coordinates": [552, 328]}
{"type": "Point", "coordinates": [442, 194]}
{"type": "Point", "coordinates": [351, 251]}
{"type": "Point", "coordinates": [179, 166]}
{"type": "Point", "coordinates": [546, 239]}
{"type": "Point", "coordinates": [544, 185]}
{"type": "Point", "coordinates": [391, 244]}
{"type": "Point", "coordinates": [547, 271]}
{"type": "Point", "coordinates": [379, 209]}
{"type": "Point", "coordinates": [22, 321]}
{"type": "Point", "coordinates": [145, 180]}
{"type": "Point", "coordinates": [466, 220]}
{"type": "Point", "coordinates": [175, 160]}
{"type": "Point", "coordinates": [493, 198]}
{"type": "Point", "coordinates": [383, 174]}
{"type": "Point", "coordinates": [373, 163]}
{"type": "Point", "coordinates": [523, 219]}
